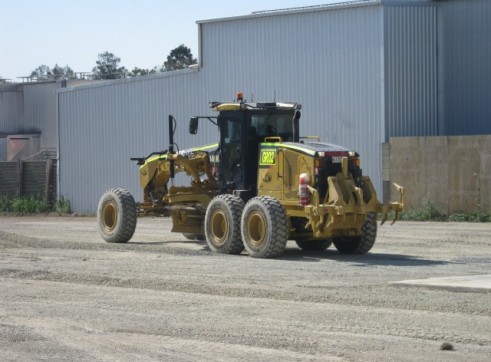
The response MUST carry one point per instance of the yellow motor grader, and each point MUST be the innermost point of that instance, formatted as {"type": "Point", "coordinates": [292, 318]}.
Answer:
{"type": "Point", "coordinates": [258, 187]}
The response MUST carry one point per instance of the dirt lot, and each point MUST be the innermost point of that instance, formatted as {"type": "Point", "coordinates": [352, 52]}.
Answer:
{"type": "Point", "coordinates": [67, 295]}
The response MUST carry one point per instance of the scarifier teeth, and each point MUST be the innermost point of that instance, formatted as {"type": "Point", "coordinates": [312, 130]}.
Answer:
{"type": "Point", "coordinates": [386, 214]}
{"type": "Point", "coordinates": [395, 217]}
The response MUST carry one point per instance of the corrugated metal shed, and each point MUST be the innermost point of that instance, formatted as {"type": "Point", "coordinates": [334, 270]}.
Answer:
{"type": "Point", "coordinates": [289, 56]}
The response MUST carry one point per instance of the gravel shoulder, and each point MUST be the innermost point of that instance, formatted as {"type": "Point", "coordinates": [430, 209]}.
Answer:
{"type": "Point", "coordinates": [68, 295]}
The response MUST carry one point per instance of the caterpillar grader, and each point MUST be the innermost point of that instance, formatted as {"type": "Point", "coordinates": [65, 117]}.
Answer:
{"type": "Point", "coordinates": [258, 187]}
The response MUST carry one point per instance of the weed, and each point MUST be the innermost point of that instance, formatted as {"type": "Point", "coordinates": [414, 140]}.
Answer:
{"type": "Point", "coordinates": [427, 212]}
{"type": "Point", "coordinates": [33, 204]}
{"type": "Point", "coordinates": [62, 206]}
{"type": "Point", "coordinates": [5, 204]}
{"type": "Point", "coordinates": [472, 217]}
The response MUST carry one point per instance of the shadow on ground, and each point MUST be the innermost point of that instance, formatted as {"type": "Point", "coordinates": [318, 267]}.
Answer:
{"type": "Point", "coordinates": [368, 259]}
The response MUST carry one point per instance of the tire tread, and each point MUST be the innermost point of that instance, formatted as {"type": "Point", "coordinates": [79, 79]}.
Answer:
{"type": "Point", "coordinates": [127, 214]}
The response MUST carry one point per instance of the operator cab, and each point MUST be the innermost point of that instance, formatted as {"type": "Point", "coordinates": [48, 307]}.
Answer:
{"type": "Point", "coordinates": [243, 126]}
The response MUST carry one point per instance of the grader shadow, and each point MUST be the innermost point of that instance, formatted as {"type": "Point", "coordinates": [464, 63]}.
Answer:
{"type": "Point", "coordinates": [369, 259]}
{"type": "Point", "coordinates": [296, 254]}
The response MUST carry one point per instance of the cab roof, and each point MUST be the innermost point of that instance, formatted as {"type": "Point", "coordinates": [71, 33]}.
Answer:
{"type": "Point", "coordinates": [238, 106]}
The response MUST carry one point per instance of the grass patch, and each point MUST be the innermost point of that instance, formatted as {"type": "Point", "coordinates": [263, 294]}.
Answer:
{"type": "Point", "coordinates": [429, 212]}
{"type": "Point", "coordinates": [29, 205]}
{"type": "Point", "coordinates": [63, 206]}
{"type": "Point", "coordinates": [5, 204]}
{"type": "Point", "coordinates": [472, 217]}
{"type": "Point", "coordinates": [33, 204]}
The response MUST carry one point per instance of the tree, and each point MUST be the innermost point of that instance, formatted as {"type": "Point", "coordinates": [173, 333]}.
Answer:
{"type": "Point", "coordinates": [43, 72]}
{"type": "Point", "coordinates": [179, 58]}
{"type": "Point", "coordinates": [136, 72]}
{"type": "Point", "coordinates": [62, 73]}
{"type": "Point", "coordinates": [108, 67]}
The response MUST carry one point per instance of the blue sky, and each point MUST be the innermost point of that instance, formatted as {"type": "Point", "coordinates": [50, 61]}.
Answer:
{"type": "Point", "coordinates": [141, 33]}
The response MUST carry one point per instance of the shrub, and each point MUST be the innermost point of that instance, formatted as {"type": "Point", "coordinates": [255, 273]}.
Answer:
{"type": "Point", "coordinates": [427, 212]}
{"type": "Point", "coordinates": [5, 204]}
{"type": "Point", "coordinates": [29, 205]}
{"type": "Point", "coordinates": [472, 217]}
{"type": "Point", "coordinates": [62, 206]}
{"type": "Point", "coordinates": [33, 204]}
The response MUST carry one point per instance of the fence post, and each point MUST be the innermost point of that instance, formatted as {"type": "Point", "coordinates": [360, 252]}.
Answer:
{"type": "Point", "coordinates": [47, 181]}
{"type": "Point", "coordinates": [20, 177]}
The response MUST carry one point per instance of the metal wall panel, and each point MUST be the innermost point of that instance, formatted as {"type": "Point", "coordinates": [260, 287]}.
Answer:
{"type": "Point", "coordinates": [411, 86]}
{"type": "Point", "coordinates": [40, 112]}
{"type": "Point", "coordinates": [103, 125]}
{"type": "Point", "coordinates": [465, 70]}
{"type": "Point", "coordinates": [11, 111]}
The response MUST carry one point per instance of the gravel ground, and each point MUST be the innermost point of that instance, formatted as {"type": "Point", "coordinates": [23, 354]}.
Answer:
{"type": "Point", "coordinates": [67, 295]}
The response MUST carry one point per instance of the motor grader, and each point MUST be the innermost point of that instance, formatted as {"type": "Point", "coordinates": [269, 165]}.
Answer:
{"type": "Point", "coordinates": [258, 187]}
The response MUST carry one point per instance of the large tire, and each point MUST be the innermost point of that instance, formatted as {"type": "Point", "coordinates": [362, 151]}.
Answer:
{"type": "Point", "coordinates": [222, 224]}
{"type": "Point", "coordinates": [264, 227]}
{"type": "Point", "coordinates": [116, 216]}
{"type": "Point", "coordinates": [359, 244]}
{"type": "Point", "coordinates": [314, 245]}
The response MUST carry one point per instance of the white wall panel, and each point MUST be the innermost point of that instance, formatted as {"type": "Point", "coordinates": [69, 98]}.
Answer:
{"type": "Point", "coordinates": [102, 126]}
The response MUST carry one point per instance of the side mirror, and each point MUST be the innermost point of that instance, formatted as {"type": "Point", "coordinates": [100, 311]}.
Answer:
{"type": "Point", "coordinates": [193, 125]}
{"type": "Point", "coordinates": [297, 115]}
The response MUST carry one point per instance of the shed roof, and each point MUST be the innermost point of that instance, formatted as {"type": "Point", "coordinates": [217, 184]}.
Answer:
{"type": "Point", "coordinates": [296, 10]}
{"type": "Point", "coordinates": [314, 8]}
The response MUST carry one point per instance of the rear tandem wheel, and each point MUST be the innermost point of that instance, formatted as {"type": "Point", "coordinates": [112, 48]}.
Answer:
{"type": "Point", "coordinates": [264, 227]}
{"type": "Point", "coordinates": [222, 224]}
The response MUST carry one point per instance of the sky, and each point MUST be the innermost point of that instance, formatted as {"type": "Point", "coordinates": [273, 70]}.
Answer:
{"type": "Point", "coordinates": [142, 33]}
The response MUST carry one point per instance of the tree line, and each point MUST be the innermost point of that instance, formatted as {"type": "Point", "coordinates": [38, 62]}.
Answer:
{"type": "Point", "coordinates": [108, 66]}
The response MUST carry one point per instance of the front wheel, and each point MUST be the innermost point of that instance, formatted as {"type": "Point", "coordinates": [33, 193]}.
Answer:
{"type": "Point", "coordinates": [359, 244]}
{"type": "Point", "coordinates": [264, 227]}
{"type": "Point", "coordinates": [116, 216]}
{"type": "Point", "coordinates": [222, 224]}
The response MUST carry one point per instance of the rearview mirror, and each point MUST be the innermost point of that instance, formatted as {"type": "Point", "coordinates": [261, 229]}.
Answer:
{"type": "Point", "coordinates": [193, 125]}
